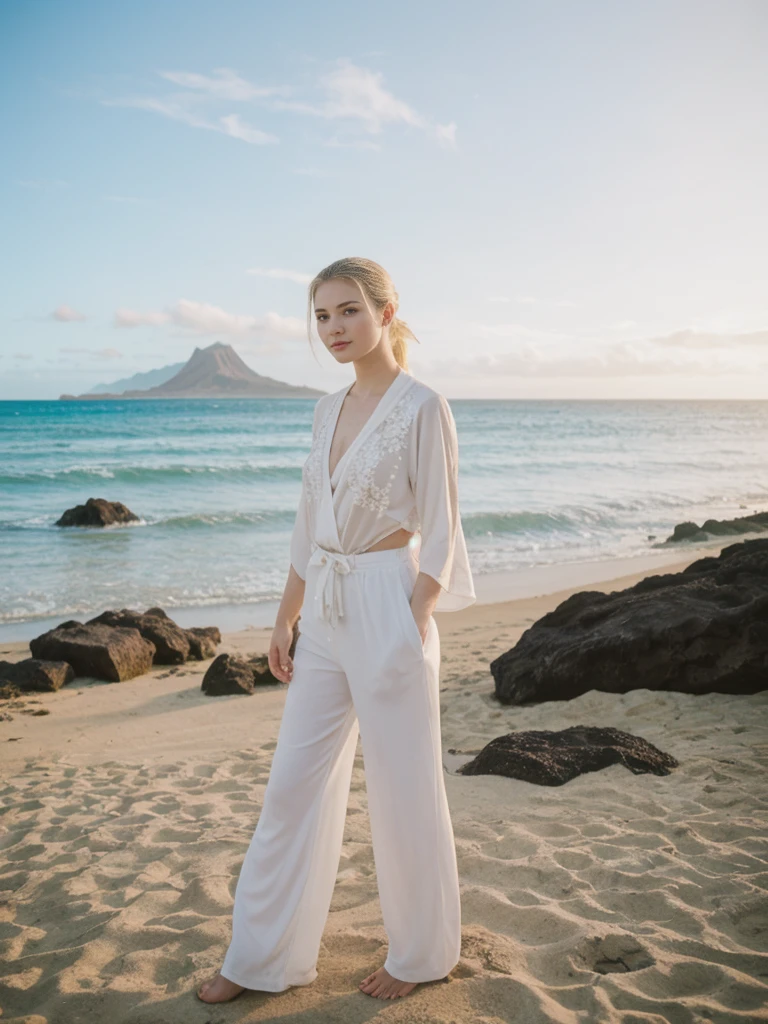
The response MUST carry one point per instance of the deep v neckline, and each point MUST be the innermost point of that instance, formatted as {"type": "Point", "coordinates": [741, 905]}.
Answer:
{"type": "Point", "coordinates": [376, 416]}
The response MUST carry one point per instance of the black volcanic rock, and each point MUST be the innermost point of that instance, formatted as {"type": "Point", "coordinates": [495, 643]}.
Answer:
{"type": "Point", "coordinates": [215, 372]}
{"type": "Point", "coordinates": [33, 674]}
{"type": "Point", "coordinates": [689, 531]}
{"type": "Point", "coordinates": [230, 674]}
{"type": "Point", "coordinates": [97, 512]}
{"type": "Point", "coordinates": [99, 651]}
{"type": "Point", "coordinates": [552, 758]}
{"type": "Point", "coordinates": [702, 630]}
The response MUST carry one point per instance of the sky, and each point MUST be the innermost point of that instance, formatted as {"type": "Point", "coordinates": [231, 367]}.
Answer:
{"type": "Point", "coordinates": [570, 197]}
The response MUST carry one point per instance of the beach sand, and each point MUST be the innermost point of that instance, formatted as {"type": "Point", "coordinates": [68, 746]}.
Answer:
{"type": "Point", "coordinates": [614, 898]}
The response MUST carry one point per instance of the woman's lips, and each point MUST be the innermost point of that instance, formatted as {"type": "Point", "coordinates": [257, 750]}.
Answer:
{"type": "Point", "coordinates": [340, 344]}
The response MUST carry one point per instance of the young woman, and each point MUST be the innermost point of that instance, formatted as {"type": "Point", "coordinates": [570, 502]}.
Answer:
{"type": "Point", "coordinates": [382, 469]}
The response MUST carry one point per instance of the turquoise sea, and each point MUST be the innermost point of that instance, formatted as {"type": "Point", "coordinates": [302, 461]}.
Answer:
{"type": "Point", "coordinates": [216, 484]}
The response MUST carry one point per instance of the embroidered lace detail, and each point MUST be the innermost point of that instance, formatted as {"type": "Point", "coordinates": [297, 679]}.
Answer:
{"type": "Point", "coordinates": [389, 438]}
{"type": "Point", "coordinates": [313, 467]}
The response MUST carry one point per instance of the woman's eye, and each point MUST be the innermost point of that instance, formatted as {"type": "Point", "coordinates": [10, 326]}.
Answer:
{"type": "Point", "coordinates": [350, 309]}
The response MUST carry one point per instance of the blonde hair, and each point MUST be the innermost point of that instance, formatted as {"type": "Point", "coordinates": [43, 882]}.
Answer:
{"type": "Point", "coordinates": [377, 288]}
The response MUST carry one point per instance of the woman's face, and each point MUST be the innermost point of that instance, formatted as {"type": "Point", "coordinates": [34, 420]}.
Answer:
{"type": "Point", "coordinates": [344, 323]}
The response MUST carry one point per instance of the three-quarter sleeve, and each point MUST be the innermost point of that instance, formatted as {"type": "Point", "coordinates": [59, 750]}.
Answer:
{"type": "Point", "coordinates": [301, 538]}
{"type": "Point", "coordinates": [434, 470]}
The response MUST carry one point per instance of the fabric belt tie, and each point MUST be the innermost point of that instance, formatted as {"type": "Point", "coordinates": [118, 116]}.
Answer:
{"type": "Point", "coordinates": [332, 564]}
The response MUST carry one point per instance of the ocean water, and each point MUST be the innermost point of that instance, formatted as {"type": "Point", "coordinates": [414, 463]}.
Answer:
{"type": "Point", "coordinates": [216, 484]}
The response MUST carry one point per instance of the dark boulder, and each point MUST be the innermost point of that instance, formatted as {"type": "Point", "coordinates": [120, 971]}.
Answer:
{"type": "Point", "coordinates": [100, 651]}
{"type": "Point", "coordinates": [34, 674]}
{"type": "Point", "coordinates": [232, 674]}
{"type": "Point", "coordinates": [702, 630]}
{"type": "Point", "coordinates": [550, 758]}
{"type": "Point", "coordinates": [97, 512]}
{"type": "Point", "coordinates": [755, 523]}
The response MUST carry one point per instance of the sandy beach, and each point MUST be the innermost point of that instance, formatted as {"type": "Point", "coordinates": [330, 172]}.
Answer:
{"type": "Point", "coordinates": [614, 898]}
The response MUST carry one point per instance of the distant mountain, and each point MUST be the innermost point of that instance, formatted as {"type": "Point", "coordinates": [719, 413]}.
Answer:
{"type": "Point", "coordinates": [213, 372]}
{"type": "Point", "coordinates": [150, 379]}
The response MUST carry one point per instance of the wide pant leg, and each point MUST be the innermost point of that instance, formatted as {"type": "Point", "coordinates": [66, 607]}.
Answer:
{"type": "Point", "coordinates": [396, 694]}
{"type": "Point", "coordinates": [285, 886]}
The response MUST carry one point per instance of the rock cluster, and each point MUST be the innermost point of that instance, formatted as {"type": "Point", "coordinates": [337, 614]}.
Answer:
{"type": "Point", "coordinates": [718, 528]}
{"type": "Point", "coordinates": [113, 646]}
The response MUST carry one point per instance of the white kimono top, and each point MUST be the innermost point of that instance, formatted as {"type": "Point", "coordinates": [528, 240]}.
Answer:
{"type": "Point", "coordinates": [400, 471]}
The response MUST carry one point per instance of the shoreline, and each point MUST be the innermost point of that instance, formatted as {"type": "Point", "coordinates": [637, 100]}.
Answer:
{"type": "Point", "coordinates": [491, 588]}
{"type": "Point", "coordinates": [469, 639]}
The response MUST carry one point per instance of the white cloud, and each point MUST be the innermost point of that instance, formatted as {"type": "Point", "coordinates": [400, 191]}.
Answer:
{"type": "Point", "coordinates": [204, 318]}
{"type": "Point", "coordinates": [182, 108]}
{"type": "Point", "coordinates": [618, 360]}
{"type": "Point", "coordinates": [348, 93]}
{"type": "Point", "coordinates": [286, 275]}
{"type": "Point", "coordinates": [226, 85]}
{"type": "Point", "coordinates": [689, 338]}
{"type": "Point", "coordinates": [65, 314]}
{"type": "Point", "coordinates": [446, 134]}
{"type": "Point", "coordinates": [357, 94]}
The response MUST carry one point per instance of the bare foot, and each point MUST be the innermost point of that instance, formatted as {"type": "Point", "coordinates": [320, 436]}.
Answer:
{"type": "Point", "coordinates": [382, 985]}
{"type": "Point", "coordinates": [219, 990]}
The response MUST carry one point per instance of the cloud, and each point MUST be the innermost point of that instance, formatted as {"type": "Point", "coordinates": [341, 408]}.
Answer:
{"type": "Point", "coordinates": [446, 134]}
{"type": "Point", "coordinates": [619, 360]}
{"type": "Point", "coordinates": [102, 353]}
{"type": "Point", "coordinates": [285, 275]}
{"type": "Point", "coordinates": [689, 338]}
{"type": "Point", "coordinates": [65, 314]}
{"type": "Point", "coordinates": [22, 355]}
{"type": "Point", "coordinates": [203, 318]}
{"type": "Point", "coordinates": [225, 85]}
{"type": "Point", "coordinates": [357, 94]}
{"type": "Point", "coordinates": [182, 108]}
{"type": "Point", "coordinates": [347, 93]}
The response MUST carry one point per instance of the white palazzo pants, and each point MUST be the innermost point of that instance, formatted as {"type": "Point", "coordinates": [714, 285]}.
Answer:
{"type": "Point", "coordinates": [368, 673]}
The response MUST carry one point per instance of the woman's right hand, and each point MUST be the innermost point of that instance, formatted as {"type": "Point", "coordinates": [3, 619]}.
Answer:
{"type": "Point", "coordinates": [280, 661]}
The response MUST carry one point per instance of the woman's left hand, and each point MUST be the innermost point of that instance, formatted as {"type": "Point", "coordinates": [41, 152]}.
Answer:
{"type": "Point", "coordinates": [423, 600]}
{"type": "Point", "coordinates": [421, 616]}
